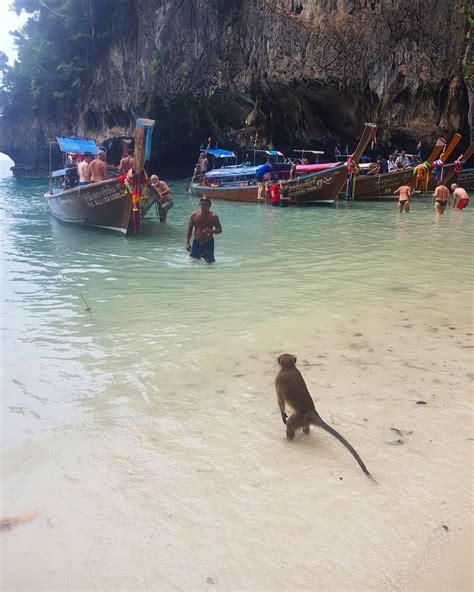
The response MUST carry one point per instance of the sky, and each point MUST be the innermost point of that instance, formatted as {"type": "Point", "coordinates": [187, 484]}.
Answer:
{"type": "Point", "coordinates": [9, 22]}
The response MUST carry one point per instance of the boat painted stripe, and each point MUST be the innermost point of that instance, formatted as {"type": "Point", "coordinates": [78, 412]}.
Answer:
{"type": "Point", "coordinates": [114, 228]}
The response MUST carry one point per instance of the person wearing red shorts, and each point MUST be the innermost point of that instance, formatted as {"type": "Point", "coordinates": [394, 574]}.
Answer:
{"type": "Point", "coordinates": [461, 198]}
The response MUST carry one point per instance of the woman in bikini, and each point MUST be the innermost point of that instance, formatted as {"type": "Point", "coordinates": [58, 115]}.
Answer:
{"type": "Point", "coordinates": [404, 192]}
{"type": "Point", "coordinates": [441, 197]}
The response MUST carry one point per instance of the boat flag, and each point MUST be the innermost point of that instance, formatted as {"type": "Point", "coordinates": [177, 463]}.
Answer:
{"type": "Point", "coordinates": [373, 137]}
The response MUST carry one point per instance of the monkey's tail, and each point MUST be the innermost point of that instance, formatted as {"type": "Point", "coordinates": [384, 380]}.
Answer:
{"type": "Point", "coordinates": [316, 419]}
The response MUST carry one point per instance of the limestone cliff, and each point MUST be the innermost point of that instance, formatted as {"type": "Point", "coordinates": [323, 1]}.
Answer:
{"type": "Point", "coordinates": [297, 72]}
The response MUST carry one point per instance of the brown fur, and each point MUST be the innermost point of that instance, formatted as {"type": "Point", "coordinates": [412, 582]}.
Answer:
{"type": "Point", "coordinates": [291, 388]}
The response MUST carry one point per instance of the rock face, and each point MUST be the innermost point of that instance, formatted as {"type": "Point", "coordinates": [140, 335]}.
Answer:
{"type": "Point", "coordinates": [287, 72]}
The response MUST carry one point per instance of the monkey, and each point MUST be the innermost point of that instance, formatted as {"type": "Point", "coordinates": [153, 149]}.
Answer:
{"type": "Point", "coordinates": [291, 388]}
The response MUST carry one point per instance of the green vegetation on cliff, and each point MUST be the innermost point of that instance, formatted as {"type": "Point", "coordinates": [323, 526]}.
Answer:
{"type": "Point", "coordinates": [58, 49]}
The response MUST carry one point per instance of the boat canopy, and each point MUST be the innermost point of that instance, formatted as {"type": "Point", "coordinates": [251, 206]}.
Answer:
{"type": "Point", "coordinates": [77, 145]}
{"type": "Point", "coordinates": [261, 170]}
{"type": "Point", "coordinates": [230, 172]}
{"type": "Point", "coordinates": [218, 153]}
{"type": "Point", "coordinates": [310, 151]}
{"type": "Point", "coordinates": [273, 153]}
{"type": "Point", "coordinates": [276, 167]}
{"type": "Point", "coordinates": [314, 168]}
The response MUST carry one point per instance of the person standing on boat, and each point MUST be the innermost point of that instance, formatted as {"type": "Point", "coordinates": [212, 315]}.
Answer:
{"type": "Point", "coordinates": [165, 203]}
{"type": "Point", "coordinates": [126, 163]}
{"type": "Point", "coordinates": [205, 225]}
{"type": "Point", "coordinates": [404, 192]}
{"type": "Point", "coordinates": [83, 170]}
{"type": "Point", "coordinates": [203, 166]}
{"type": "Point", "coordinates": [381, 168]}
{"type": "Point", "coordinates": [441, 197]}
{"type": "Point", "coordinates": [459, 194]}
{"type": "Point", "coordinates": [402, 161]}
{"type": "Point", "coordinates": [98, 168]}
{"type": "Point", "coordinates": [391, 163]}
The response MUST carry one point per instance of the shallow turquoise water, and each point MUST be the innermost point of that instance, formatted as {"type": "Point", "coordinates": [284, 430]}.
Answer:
{"type": "Point", "coordinates": [152, 310]}
{"type": "Point", "coordinates": [148, 426]}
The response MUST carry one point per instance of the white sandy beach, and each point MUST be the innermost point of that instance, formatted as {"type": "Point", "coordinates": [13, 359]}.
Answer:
{"type": "Point", "coordinates": [193, 486]}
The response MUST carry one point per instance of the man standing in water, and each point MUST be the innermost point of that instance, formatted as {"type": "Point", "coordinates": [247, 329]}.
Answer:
{"type": "Point", "coordinates": [441, 197]}
{"type": "Point", "coordinates": [404, 198]}
{"type": "Point", "coordinates": [205, 224]}
{"type": "Point", "coordinates": [459, 194]}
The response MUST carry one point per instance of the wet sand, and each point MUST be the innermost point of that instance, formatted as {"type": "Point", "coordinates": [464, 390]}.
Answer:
{"type": "Point", "coordinates": [453, 569]}
{"type": "Point", "coordinates": [194, 487]}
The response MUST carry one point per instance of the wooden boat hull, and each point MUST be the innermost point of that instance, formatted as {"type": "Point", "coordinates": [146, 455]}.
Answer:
{"type": "Point", "coordinates": [246, 193]}
{"type": "Point", "coordinates": [381, 187]}
{"type": "Point", "coordinates": [106, 204]}
{"type": "Point", "coordinates": [323, 187]}
{"type": "Point", "coordinates": [464, 179]}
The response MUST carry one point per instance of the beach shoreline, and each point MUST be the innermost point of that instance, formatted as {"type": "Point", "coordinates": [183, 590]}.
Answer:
{"type": "Point", "coordinates": [451, 569]}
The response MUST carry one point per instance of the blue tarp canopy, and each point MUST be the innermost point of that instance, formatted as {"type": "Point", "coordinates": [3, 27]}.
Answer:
{"type": "Point", "coordinates": [261, 170]}
{"type": "Point", "coordinates": [77, 145]}
{"type": "Point", "coordinates": [273, 153]}
{"type": "Point", "coordinates": [218, 153]}
{"type": "Point", "coordinates": [230, 172]}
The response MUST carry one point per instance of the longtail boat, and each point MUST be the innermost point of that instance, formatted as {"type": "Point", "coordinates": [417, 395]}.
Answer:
{"type": "Point", "coordinates": [382, 187]}
{"type": "Point", "coordinates": [118, 204]}
{"type": "Point", "coordinates": [455, 172]}
{"type": "Point", "coordinates": [314, 183]}
{"type": "Point", "coordinates": [239, 183]}
{"type": "Point", "coordinates": [431, 179]}
{"type": "Point", "coordinates": [324, 187]}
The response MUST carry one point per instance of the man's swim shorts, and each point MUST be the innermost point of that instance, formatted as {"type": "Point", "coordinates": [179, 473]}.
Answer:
{"type": "Point", "coordinates": [203, 250]}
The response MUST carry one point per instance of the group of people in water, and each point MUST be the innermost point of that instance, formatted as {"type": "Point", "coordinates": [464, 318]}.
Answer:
{"type": "Point", "coordinates": [441, 198]}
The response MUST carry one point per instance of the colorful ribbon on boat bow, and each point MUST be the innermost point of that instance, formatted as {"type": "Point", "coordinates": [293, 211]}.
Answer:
{"type": "Point", "coordinates": [352, 170]}
{"type": "Point", "coordinates": [420, 173]}
{"type": "Point", "coordinates": [135, 185]}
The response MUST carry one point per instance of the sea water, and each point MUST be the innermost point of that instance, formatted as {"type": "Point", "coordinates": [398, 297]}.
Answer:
{"type": "Point", "coordinates": [139, 416]}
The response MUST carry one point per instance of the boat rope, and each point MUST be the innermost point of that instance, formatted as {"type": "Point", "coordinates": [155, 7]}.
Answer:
{"type": "Point", "coordinates": [179, 181]}
{"type": "Point", "coordinates": [55, 266]}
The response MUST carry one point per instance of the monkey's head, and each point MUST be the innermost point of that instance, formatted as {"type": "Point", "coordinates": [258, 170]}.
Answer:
{"type": "Point", "coordinates": [286, 360]}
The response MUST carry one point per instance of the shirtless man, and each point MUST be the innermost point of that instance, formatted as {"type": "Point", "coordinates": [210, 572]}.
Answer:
{"type": "Point", "coordinates": [404, 192]}
{"type": "Point", "coordinates": [441, 197]}
{"type": "Point", "coordinates": [459, 194]}
{"type": "Point", "coordinates": [165, 203]}
{"type": "Point", "coordinates": [126, 163]}
{"type": "Point", "coordinates": [83, 170]}
{"type": "Point", "coordinates": [205, 224]}
{"type": "Point", "coordinates": [98, 168]}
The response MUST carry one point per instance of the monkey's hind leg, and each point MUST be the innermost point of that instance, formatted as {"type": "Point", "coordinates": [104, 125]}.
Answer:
{"type": "Point", "coordinates": [295, 421]}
